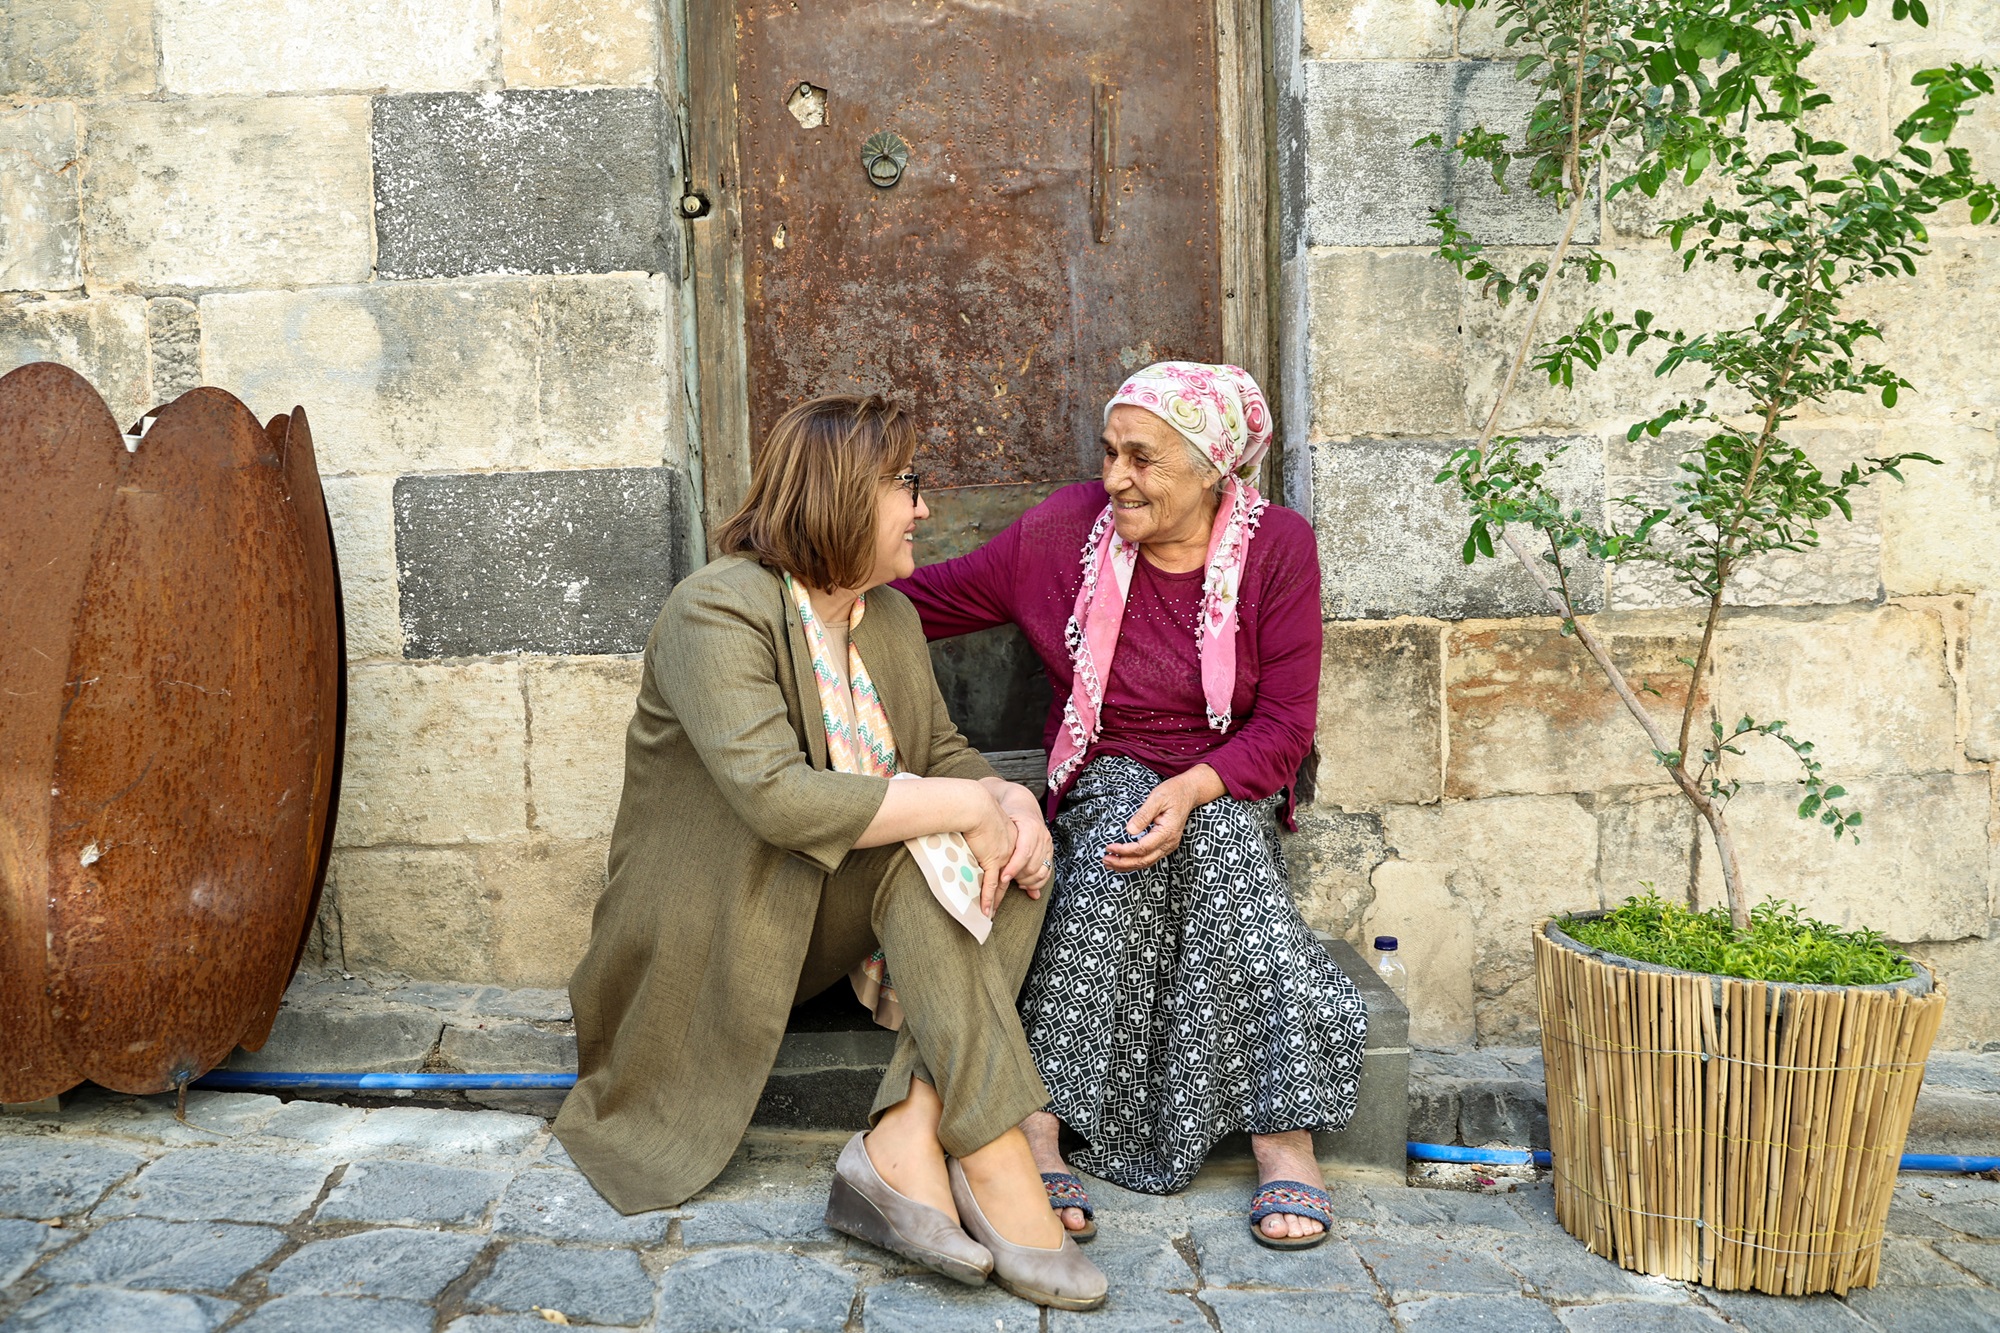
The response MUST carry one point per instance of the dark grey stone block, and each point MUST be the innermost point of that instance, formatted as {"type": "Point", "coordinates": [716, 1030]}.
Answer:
{"type": "Point", "coordinates": [1230, 1258]}
{"type": "Point", "coordinates": [213, 1184]}
{"type": "Point", "coordinates": [47, 1177]}
{"type": "Point", "coordinates": [1477, 1314]}
{"type": "Point", "coordinates": [923, 1303]}
{"type": "Point", "coordinates": [502, 1323]}
{"type": "Point", "coordinates": [1786, 1314]}
{"type": "Point", "coordinates": [1559, 1268]}
{"type": "Point", "coordinates": [21, 1243]}
{"type": "Point", "coordinates": [1982, 1259]}
{"type": "Point", "coordinates": [547, 562]}
{"type": "Point", "coordinates": [413, 1265]}
{"type": "Point", "coordinates": [596, 1286]}
{"type": "Point", "coordinates": [1390, 537]}
{"type": "Point", "coordinates": [72, 1309]}
{"type": "Point", "coordinates": [564, 1205]}
{"type": "Point", "coordinates": [755, 1222]}
{"type": "Point", "coordinates": [747, 1291]}
{"type": "Point", "coordinates": [1436, 1209]}
{"type": "Point", "coordinates": [1138, 1257]}
{"type": "Point", "coordinates": [1911, 1263]}
{"type": "Point", "coordinates": [1638, 1317]}
{"type": "Point", "coordinates": [1368, 184]}
{"type": "Point", "coordinates": [1413, 1264]}
{"type": "Point", "coordinates": [167, 1256]}
{"type": "Point", "coordinates": [522, 181]}
{"type": "Point", "coordinates": [410, 1193]}
{"type": "Point", "coordinates": [337, 1314]}
{"type": "Point", "coordinates": [1288, 1312]}
{"type": "Point", "coordinates": [385, 1041]}
{"type": "Point", "coordinates": [1134, 1312]}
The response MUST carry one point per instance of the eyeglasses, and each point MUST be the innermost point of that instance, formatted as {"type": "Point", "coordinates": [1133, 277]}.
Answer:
{"type": "Point", "coordinates": [912, 481]}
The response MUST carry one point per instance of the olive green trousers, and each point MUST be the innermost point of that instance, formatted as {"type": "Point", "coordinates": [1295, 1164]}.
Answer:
{"type": "Point", "coordinates": [961, 1031]}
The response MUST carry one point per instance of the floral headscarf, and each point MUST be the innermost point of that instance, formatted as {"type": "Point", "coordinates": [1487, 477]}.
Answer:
{"type": "Point", "coordinates": [1220, 411]}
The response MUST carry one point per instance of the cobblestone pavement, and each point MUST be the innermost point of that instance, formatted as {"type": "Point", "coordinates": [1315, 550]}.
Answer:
{"type": "Point", "coordinates": [311, 1217]}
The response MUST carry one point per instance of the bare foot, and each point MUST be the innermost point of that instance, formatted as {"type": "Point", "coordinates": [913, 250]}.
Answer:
{"type": "Point", "coordinates": [1010, 1192]}
{"type": "Point", "coordinates": [1287, 1156]}
{"type": "Point", "coordinates": [1044, 1133]}
{"type": "Point", "coordinates": [905, 1150]}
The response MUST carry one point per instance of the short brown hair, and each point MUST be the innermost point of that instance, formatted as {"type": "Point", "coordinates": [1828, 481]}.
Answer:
{"type": "Point", "coordinates": [814, 488]}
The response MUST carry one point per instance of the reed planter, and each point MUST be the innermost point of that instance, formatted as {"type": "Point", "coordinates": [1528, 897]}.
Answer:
{"type": "Point", "coordinates": [1740, 1134]}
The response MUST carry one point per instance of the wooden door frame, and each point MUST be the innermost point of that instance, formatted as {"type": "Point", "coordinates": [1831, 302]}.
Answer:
{"type": "Point", "coordinates": [721, 442]}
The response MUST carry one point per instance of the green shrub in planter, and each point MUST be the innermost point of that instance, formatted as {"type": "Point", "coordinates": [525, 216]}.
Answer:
{"type": "Point", "coordinates": [1781, 944]}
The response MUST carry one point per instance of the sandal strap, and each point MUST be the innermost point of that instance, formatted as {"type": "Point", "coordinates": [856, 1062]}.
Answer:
{"type": "Point", "coordinates": [1066, 1191]}
{"type": "Point", "coordinates": [1295, 1197]}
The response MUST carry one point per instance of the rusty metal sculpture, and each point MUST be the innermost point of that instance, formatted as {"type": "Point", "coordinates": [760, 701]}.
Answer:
{"type": "Point", "coordinates": [172, 680]}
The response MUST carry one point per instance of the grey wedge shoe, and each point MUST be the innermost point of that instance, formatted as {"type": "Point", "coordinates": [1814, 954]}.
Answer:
{"type": "Point", "coordinates": [1062, 1277]}
{"type": "Point", "coordinates": [865, 1206]}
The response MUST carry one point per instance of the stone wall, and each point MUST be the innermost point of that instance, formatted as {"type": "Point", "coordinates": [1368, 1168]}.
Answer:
{"type": "Point", "coordinates": [1475, 774]}
{"type": "Point", "coordinates": [442, 227]}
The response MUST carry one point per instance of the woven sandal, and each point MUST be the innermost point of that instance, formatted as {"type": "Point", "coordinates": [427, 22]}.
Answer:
{"type": "Point", "coordinates": [1066, 1191]}
{"type": "Point", "coordinates": [1300, 1200]}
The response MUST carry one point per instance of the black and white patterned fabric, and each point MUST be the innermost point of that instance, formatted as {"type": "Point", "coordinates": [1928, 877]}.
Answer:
{"type": "Point", "coordinates": [1173, 1005]}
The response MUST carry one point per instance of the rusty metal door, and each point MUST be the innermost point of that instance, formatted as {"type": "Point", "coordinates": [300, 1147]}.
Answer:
{"type": "Point", "coordinates": [992, 210]}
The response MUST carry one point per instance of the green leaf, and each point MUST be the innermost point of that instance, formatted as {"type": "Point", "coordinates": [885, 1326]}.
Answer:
{"type": "Point", "coordinates": [1888, 395]}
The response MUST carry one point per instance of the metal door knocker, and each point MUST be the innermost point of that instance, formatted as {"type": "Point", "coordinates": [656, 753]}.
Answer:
{"type": "Point", "coordinates": [884, 156]}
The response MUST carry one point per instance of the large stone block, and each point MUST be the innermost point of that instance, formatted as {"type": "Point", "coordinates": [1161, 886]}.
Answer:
{"type": "Point", "coordinates": [577, 714]}
{"type": "Point", "coordinates": [555, 562]}
{"type": "Point", "coordinates": [416, 911]}
{"type": "Point", "coordinates": [524, 181]}
{"type": "Point", "coordinates": [1528, 709]}
{"type": "Point", "coordinates": [1921, 871]}
{"type": "Point", "coordinates": [173, 331]}
{"type": "Point", "coordinates": [76, 48]}
{"type": "Point", "coordinates": [1941, 529]}
{"type": "Point", "coordinates": [579, 43]}
{"type": "Point", "coordinates": [1367, 184]}
{"type": "Point", "coordinates": [1379, 737]}
{"type": "Point", "coordinates": [1508, 862]}
{"type": "Point", "coordinates": [542, 896]}
{"type": "Point", "coordinates": [1390, 536]}
{"type": "Point", "coordinates": [1982, 678]}
{"type": "Point", "coordinates": [102, 339]}
{"type": "Point", "coordinates": [435, 754]}
{"type": "Point", "coordinates": [1378, 30]}
{"type": "Point", "coordinates": [1934, 332]}
{"type": "Point", "coordinates": [1871, 689]}
{"type": "Point", "coordinates": [1846, 566]}
{"type": "Point", "coordinates": [1385, 353]}
{"type": "Point", "coordinates": [40, 227]}
{"type": "Point", "coordinates": [1624, 389]}
{"type": "Point", "coordinates": [1434, 938]}
{"type": "Point", "coordinates": [1646, 842]}
{"type": "Point", "coordinates": [289, 46]}
{"type": "Point", "coordinates": [362, 511]}
{"type": "Point", "coordinates": [499, 373]}
{"type": "Point", "coordinates": [1970, 971]}
{"type": "Point", "coordinates": [1330, 859]}
{"type": "Point", "coordinates": [235, 193]}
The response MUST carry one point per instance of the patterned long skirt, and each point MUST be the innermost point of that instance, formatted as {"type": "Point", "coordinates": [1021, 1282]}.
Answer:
{"type": "Point", "coordinates": [1170, 1006]}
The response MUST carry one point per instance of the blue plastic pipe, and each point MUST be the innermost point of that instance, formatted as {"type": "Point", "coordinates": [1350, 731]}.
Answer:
{"type": "Point", "coordinates": [234, 1080]}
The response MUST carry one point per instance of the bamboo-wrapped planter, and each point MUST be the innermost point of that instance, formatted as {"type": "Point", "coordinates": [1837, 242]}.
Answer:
{"type": "Point", "coordinates": [1740, 1134]}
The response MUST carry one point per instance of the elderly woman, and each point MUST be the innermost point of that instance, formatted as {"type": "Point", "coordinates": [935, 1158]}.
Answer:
{"type": "Point", "coordinates": [1176, 995]}
{"type": "Point", "coordinates": [795, 794]}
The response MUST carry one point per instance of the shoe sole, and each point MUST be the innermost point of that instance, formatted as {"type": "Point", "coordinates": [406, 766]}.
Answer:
{"type": "Point", "coordinates": [851, 1212]}
{"type": "Point", "coordinates": [1289, 1242]}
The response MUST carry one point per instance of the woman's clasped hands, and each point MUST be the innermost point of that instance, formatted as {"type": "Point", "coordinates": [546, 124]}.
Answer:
{"type": "Point", "coordinates": [1011, 842]}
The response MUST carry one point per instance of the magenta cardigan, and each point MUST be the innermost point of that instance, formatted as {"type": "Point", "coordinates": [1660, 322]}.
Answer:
{"type": "Point", "coordinates": [1153, 709]}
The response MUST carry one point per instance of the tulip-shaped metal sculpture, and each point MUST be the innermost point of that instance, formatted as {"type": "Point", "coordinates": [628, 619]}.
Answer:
{"type": "Point", "coordinates": [172, 677]}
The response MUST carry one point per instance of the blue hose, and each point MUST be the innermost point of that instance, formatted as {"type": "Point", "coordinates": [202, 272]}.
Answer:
{"type": "Point", "coordinates": [219, 1080]}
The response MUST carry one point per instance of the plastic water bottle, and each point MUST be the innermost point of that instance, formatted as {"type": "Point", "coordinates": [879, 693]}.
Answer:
{"type": "Point", "coordinates": [1390, 968]}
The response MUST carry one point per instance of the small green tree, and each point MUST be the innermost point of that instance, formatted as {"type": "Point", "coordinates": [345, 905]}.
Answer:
{"type": "Point", "coordinates": [1631, 93]}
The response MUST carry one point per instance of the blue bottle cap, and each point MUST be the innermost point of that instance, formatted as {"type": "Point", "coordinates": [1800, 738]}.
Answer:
{"type": "Point", "coordinates": [1385, 944]}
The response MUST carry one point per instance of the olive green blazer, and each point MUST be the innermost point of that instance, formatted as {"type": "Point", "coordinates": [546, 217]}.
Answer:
{"type": "Point", "coordinates": [730, 823]}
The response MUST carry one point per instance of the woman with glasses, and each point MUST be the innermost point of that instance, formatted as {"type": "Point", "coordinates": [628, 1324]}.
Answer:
{"type": "Point", "coordinates": [1177, 995]}
{"type": "Point", "coordinates": [796, 796]}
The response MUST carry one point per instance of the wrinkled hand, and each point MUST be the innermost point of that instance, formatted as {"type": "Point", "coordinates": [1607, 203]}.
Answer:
{"type": "Point", "coordinates": [1158, 823]}
{"type": "Point", "coordinates": [1032, 864]}
{"type": "Point", "coordinates": [991, 838]}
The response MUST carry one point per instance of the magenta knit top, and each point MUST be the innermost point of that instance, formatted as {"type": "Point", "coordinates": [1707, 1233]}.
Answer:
{"type": "Point", "coordinates": [1153, 708]}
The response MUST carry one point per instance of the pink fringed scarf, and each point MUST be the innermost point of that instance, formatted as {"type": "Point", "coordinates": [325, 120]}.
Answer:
{"type": "Point", "coordinates": [1221, 411]}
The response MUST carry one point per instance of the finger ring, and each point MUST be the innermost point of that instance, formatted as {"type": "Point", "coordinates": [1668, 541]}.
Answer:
{"type": "Point", "coordinates": [1045, 865]}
